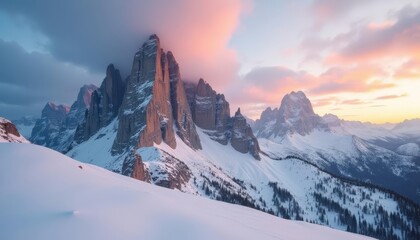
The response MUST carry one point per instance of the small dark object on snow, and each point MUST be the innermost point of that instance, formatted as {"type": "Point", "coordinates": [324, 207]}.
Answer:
{"type": "Point", "coordinates": [80, 167]}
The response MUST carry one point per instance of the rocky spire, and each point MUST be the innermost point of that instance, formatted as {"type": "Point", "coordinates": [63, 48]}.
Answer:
{"type": "Point", "coordinates": [78, 109]}
{"type": "Point", "coordinates": [105, 102]}
{"type": "Point", "coordinates": [145, 116]}
{"type": "Point", "coordinates": [243, 140]}
{"type": "Point", "coordinates": [185, 126]}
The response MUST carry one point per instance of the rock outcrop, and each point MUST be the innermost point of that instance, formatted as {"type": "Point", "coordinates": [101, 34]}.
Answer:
{"type": "Point", "coordinates": [145, 116]}
{"type": "Point", "coordinates": [105, 102]}
{"type": "Point", "coordinates": [243, 139]}
{"type": "Point", "coordinates": [210, 109]}
{"type": "Point", "coordinates": [185, 127]}
{"type": "Point", "coordinates": [9, 132]}
{"type": "Point", "coordinates": [138, 171]}
{"type": "Point", "coordinates": [78, 108]}
{"type": "Point", "coordinates": [295, 115]}
{"type": "Point", "coordinates": [211, 112]}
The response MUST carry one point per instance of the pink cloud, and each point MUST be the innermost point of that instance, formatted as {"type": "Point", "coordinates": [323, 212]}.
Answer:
{"type": "Point", "coordinates": [392, 39]}
{"type": "Point", "coordinates": [325, 11]}
{"type": "Point", "coordinates": [409, 70]}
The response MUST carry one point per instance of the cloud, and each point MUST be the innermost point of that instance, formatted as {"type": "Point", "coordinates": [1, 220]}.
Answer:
{"type": "Point", "coordinates": [95, 33]}
{"type": "Point", "coordinates": [353, 102]}
{"type": "Point", "coordinates": [392, 39]}
{"type": "Point", "coordinates": [364, 78]}
{"type": "Point", "coordinates": [385, 97]}
{"type": "Point", "coordinates": [29, 80]}
{"type": "Point", "coordinates": [409, 70]}
{"type": "Point", "coordinates": [325, 11]}
{"type": "Point", "coordinates": [268, 85]}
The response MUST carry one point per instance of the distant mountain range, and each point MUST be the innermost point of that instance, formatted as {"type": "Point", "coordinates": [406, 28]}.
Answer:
{"type": "Point", "coordinates": [291, 163]}
{"type": "Point", "coordinates": [387, 157]}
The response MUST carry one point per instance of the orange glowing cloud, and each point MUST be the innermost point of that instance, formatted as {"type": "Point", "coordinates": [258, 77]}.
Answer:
{"type": "Point", "coordinates": [270, 84]}
{"type": "Point", "coordinates": [409, 70]}
{"type": "Point", "coordinates": [365, 78]}
{"type": "Point", "coordinates": [199, 38]}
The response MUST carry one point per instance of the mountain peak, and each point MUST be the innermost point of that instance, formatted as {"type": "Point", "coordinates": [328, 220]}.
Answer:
{"type": "Point", "coordinates": [154, 36]}
{"type": "Point", "coordinates": [238, 113]}
{"type": "Point", "coordinates": [295, 115]}
{"type": "Point", "coordinates": [296, 95]}
{"type": "Point", "coordinates": [296, 103]}
{"type": "Point", "coordinates": [52, 110]}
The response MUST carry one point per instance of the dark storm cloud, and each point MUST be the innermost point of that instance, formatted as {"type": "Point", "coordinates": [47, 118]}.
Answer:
{"type": "Point", "coordinates": [95, 33]}
{"type": "Point", "coordinates": [29, 80]}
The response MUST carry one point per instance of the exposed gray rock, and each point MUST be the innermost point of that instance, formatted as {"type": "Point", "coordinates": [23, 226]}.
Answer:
{"type": "Point", "coordinates": [78, 109]}
{"type": "Point", "coordinates": [105, 102]}
{"type": "Point", "coordinates": [185, 126]}
{"type": "Point", "coordinates": [243, 140]}
{"type": "Point", "coordinates": [211, 112]}
{"type": "Point", "coordinates": [145, 116]}
{"type": "Point", "coordinates": [46, 131]}
{"type": "Point", "coordinates": [295, 115]}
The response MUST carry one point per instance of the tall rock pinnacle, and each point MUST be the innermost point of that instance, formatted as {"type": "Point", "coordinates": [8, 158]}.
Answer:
{"type": "Point", "coordinates": [243, 140]}
{"type": "Point", "coordinates": [145, 116]}
{"type": "Point", "coordinates": [181, 110]}
{"type": "Point", "coordinates": [105, 101]}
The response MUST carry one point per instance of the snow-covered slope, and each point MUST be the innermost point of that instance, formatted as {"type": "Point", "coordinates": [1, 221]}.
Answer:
{"type": "Point", "coordinates": [290, 188]}
{"type": "Point", "coordinates": [357, 150]}
{"type": "Point", "coordinates": [46, 195]}
{"type": "Point", "coordinates": [350, 156]}
{"type": "Point", "coordinates": [9, 132]}
{"type": "Point", "coordinates": [410, 149]}
{"type": "Point", "coordinates": [389, 136]}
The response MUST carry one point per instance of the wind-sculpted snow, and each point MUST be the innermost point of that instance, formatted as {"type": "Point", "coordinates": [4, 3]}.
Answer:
{"type": "Point", "coordinates": [46, 195]}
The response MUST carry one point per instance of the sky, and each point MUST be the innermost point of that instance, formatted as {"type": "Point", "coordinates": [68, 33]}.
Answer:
{"type": "Point", "coordinates": [359, 59]}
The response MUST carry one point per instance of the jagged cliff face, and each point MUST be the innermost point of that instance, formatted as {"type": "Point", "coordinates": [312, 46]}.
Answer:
{"type": "Point", "coordinates": [211, 112]}
{"type": "Point", "coordinates": [145, 116]}
{"type": "Point", "coordinates": [185, 127]}
{"type": "Point", "coordinates": [210, 109]}
{"type": "Point", "coordinates": [78, 108]}
{"type": "Point", "coordinates": [46, 131]}
{"type": "Point", "coordinates": [59, 124]}
{"type": "Point", "coordinates": [105, 103]}
{"type": "Point", "coordinates": [295, 115]}
{"type": "Point", "coordinates": [243, 139]}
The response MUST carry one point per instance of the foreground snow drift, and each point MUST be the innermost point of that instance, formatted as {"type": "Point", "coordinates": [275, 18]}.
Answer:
{"type": "Point", "coordinates": [46, 195]}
